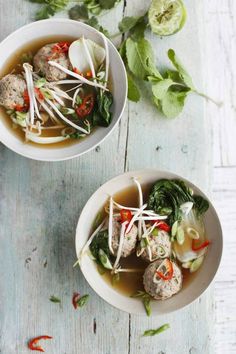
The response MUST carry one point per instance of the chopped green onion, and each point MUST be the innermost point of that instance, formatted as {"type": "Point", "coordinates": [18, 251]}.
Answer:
{"type": "Point", "coordinates": [153, 332]}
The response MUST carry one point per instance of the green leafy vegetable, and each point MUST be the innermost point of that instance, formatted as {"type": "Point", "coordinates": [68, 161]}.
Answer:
{"type": "Point", "coordinates": [146, 299]}
{"type": "Point", "coordinates": [172, 103]}
{"type": "Point", "coordinates": [133, 91]}
{"type": "Point", "coordinates": [201, 205]}
{"type": "Point", "coordinates": [141, 59]}
{"type": "Point", "coordinates": [167, 196]}
{"type": "Point", "coordinates": [127, 23]}
{"type": "Point", "coordinates": [55, 299]}
{"type": "Point", "coordinates": [153, 332]}
{"type": "Point", "coordinates": [107, 4]}
{"type": "Point", "coordinates": [49, 8]}
{"type": "Point", "coordinates": [102, 113]}
{"type": "Point", "coordinates": [181, 70]}
{"type": "Point", "coordinates": [93, 22]}
{"type": "Point", "coordinates": [83, 300]}
{"type": "Point", "coordinates": [78, 12]}
{"type": "Point", "coordinates": [160, 88]}
{"type": "Point", "coordinates": [100, 242]}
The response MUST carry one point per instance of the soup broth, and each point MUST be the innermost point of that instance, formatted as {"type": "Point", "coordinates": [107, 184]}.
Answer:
{"type": "Point", "coordinates": [14, 66]}
{"type": "Point", "coordinates": [130, 283]}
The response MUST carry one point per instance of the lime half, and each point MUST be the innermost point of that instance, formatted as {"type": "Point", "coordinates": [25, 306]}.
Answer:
{"type": "Point", "coordinates": [166, 16]}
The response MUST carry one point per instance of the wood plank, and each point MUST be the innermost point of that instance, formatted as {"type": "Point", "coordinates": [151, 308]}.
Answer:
{"type": "Point", "coordinates": [224, 197]}
{"type": "Point", "coordinates": [40, 205]}
{"type": "Point", "coordinates": [219, 53]}
{"type": "Point", "coordinates": [184, 149]}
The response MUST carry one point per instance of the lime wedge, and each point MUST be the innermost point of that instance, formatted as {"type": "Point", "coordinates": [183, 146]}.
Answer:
{"type": "Point", "coordinates": [166, 16]}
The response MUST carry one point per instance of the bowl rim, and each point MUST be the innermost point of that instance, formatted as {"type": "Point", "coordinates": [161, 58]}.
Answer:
{"type": "Point", "coordinates": [137, 172]}
{"type": "Point", "coordinates": [94, 145]}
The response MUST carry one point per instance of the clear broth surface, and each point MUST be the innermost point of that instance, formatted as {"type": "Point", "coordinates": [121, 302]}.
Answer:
{"type": "Point", "coordinates": [14, 66]}
{"type": "Point", "coordinates": [130, 283]}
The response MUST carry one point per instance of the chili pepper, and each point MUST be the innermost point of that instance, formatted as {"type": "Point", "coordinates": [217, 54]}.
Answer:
{"type": "Point", "coordinates": [75, 300]}
{"type": "Point", "coordinates": [39, 93]}
{"type": "Point", "coordinates": [200, 247]}
{"type": "Point", "coordinates": [170, 271]}
{"type": "Point", "coordinates": [77, 71]}
{"type": "Point", "coordinates": [33, 343]}
{"type": "Point", "coordinates": [19, 108]}
{"type": "Point", "coordinates": [26, 97]}
{"type": "Point", "coordinates": [86, 106]}
{"type": "Point", "coordinates": [162, 225]}
{"type": "Point", "coordinates": [61, 47]}
{"type": "Point", "coordinates": [125, 215]}
{"type": "Point", "coordinates": [89, 74]}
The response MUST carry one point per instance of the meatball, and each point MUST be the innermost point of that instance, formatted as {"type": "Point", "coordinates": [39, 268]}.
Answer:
{"type": "Point", "coordinates": [159, 247]}
{"type": "Point", "coordinates": [12, 89]}
{"type": "Point", "coordinates": [130, 239]}
{"type": "Point", "coordinates": [41, 65]}
{"type": "Point", "coordinates": [159, 288]}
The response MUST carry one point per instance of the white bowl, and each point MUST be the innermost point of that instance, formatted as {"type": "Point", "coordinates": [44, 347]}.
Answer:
{"type": "Point", "coordinates": [63, 27]}
{"type": "Point", "coordinates": [188, 294]}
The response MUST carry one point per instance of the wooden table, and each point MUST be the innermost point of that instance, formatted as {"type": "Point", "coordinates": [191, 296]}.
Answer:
{"type": "Point", "coordinates": [41, 202]}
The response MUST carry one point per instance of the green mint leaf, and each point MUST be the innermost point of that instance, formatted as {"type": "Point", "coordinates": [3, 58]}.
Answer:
{"type": "Point", "coordinates": [137, 32]}
{"type": "Point", "coordinates": [133, 91]}
{"type": "Point", "coordinates": [141, 59]}
{"type": "Point", "coordinates": [153, 332]}
{"type": "Point", "coordinates": [182, 71]}
{"type": "Point", "coordinates": [173, 103]}
{"type": "Point", "coordinates": [55, 299]}
{"type": "Point", "coordinates": [127, 23]}
{"type": "Point", "coordinates": [160, 89]}
{"type": "Point", "coordinates": [107, 4]}
{"type": "Point", "coordinates": [78, 12]}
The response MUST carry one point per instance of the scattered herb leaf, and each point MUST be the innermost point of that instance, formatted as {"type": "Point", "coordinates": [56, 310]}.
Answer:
{"type": "Point", "coordinates": [133, 91]}
{"type": "Point", "coordinates": [79, 12]}
{"type": "Point", "coordinates": [153, 332]}
{"type": "Point", "coordinates": [55, 299]}
{"type": "Point", "coordinates": [83, 300]}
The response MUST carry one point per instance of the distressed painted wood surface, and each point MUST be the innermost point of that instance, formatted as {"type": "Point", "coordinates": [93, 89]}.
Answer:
{"type": "Point", "coordinates": [40, 204]}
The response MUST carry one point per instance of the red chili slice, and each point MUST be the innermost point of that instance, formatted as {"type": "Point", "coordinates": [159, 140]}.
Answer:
{"type": "Point", "coordinates": [75, 299]}
{"type": "Point", "coordinates": [33, 343]}
{"type": "Point", "coordinates": [19, 108]}
{"type": "Point", "coordinates": [26, 97]}
{"type": "Point", "coordinates": [77, 71]}
{"type": "Point", "coordinates": [39, 93]}
{"type": "Point", "coordinates": [200, 247]}
{"type": "Point", "coordinates": [125, 215]}
{"type": "Point", "coordinates": [162, 225]}
{"type": "Point", "coordinates": [170, 268]}
{"type": "Point", "coordinates": [86, 106]}
{"type": "Point", "coordinates": [61, 47]}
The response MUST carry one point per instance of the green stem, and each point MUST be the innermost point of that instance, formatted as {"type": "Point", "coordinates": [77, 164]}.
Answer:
{"type": "Point", "coordinates": [208, 98]}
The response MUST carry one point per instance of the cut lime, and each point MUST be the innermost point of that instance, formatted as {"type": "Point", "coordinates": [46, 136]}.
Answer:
{"type": "Point", "coordinates": [166, 16]}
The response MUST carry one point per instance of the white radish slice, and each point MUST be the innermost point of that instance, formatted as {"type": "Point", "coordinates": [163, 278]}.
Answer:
{"type": "Point", "coordinates": [90, 60]}
{"type": "Point", "coordinates": [121, 242]}
{"type": "Point", "coordinates": [110, 226]}
{"type": "Point", "coordinates": [44, 140]}
{"type": "Point", "coordinates": [77, 76]}
{"type": "Point", "coordinates": [79, 58]}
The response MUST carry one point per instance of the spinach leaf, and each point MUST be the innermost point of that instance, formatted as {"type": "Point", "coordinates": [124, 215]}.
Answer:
{"type": "Point", "coordinates": [102, 114]}
{"type": "Point", "coordinates": [107, 4]}
{"type": "Point", "coordinates": [201, 205]}
{"type": "Point", "coordinates": [167, 196]}
{"type": "Point", "coordinates": [172, 103]}
{"type": "Point", "coordinates": [133, 91]}
{"type": "Point", "coordinates": [182, 71]}
{"type": "Point", "coordinates": [160, 88]}
{"type": "Point", "coordinates": [141, 59]}
{"type": "Point", "coordinates": [99, 242]}
{"type": "Point", "coordinates": [78, 12]}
